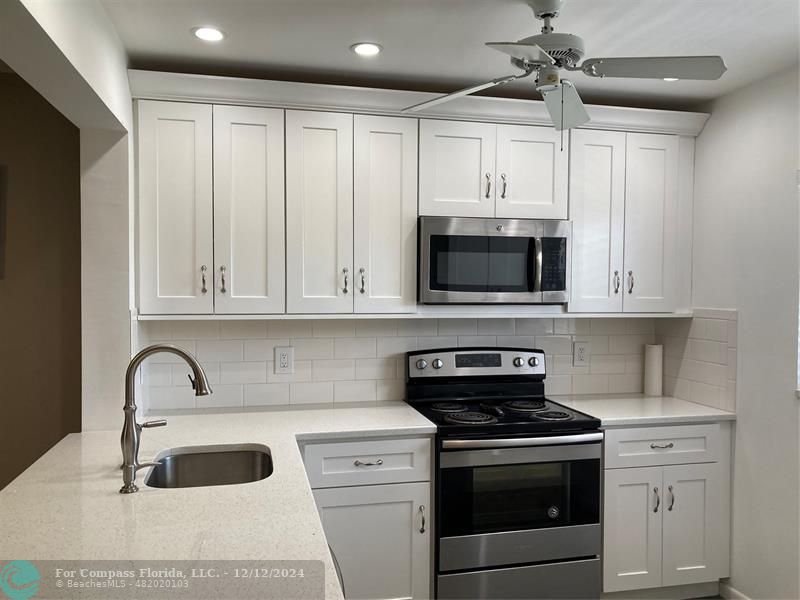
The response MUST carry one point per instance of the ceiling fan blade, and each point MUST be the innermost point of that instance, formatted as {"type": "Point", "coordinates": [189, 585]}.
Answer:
{"type": "Point", "coordinates": [531, 53]}
{"type": "Point", "coordinates": [460, 93]}
{"type": "Point", "coordinates": [565, 106]}
{"type": "Point", "coordinates": [657, 67]}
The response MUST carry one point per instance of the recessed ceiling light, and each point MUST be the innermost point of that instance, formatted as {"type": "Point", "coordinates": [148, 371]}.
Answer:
{"type": "Point", "coordinates": [670, 79]}
{"type": "Point", "coordinates": [208, 34]}
{"type": "Point", "coordinates": [366, 49]}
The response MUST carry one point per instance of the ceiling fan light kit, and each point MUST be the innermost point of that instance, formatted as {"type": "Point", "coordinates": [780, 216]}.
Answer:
{"type": "Point", "coordinates": [549, 52]}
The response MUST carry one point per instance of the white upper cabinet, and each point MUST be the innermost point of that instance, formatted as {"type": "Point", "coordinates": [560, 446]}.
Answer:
{"type": "Point", "coordinates": [531, 173]}
{"type": "Point", "coordinates": [319, 212]}
{"type": "Point", "coordinates": [487, 170]}
{"type": "Point", "coordinates": [691, 523]}
{"type": "Point", "coordinates": [385, 214]}
{"type": "Point", "coordinates": [456, 168]}
{"type": "Point", "coordinates": [632, 529]}
{"type": "Point", "coordinates": [248, 210]}
{"type": "Point", "coordinates": [651, 213]}
{"type": "Point", "coordinates": [175, 241]}
{"type": "Point", "coordinates": [624, 209]}
{"type": "Point", "coordinates": [597, 209]}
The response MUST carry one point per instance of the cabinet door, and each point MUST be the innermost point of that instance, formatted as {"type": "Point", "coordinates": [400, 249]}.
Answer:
{"type": "Point", "coordinates": [651, 209]}
{"type": "Point", "coordinates": [248, 210]}
{"type": "Point", "coordinates": [632, 529]}
{"type": "Point", "coordinates": [456, 168]}
{"type": "Point", "coordinates": [531, 172]}
{"type": "Point", "coordinates": [176, 254]}
{"type": "Point", "coordinates": [375, 533]}
{"type": "Point", "coordinates": [597, 208]}
{"type": "Point", "coordinates": [691, 523]}
{"type": "Point", "coordinates": [385, 214]}
{"type": "Point", "coordinates": [319, 212]}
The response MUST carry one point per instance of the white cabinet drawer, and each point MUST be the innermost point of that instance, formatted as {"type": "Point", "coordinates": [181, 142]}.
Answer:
{"type": "Point", "coordinates": [653, 446]}
{"type": "Point", "coordinates": [370, 462]}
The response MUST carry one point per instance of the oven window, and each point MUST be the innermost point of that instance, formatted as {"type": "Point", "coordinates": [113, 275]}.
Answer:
{"type": "Point", "coordinates": [467, 263]}
{"type": "Point", "coordinates": [498, 498]}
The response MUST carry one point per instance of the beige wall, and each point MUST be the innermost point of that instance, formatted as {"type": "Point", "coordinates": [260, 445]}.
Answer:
{"type": "Point", "coordinates": [746, 257]}
{"type": "Point", "coordinates": [40, 320]}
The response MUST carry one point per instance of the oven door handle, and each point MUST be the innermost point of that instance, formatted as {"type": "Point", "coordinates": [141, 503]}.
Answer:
{"type": "Point", "coordinates": [555, 440]}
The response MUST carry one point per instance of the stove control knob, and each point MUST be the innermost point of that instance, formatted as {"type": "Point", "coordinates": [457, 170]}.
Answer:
{"type": "Point", "coordinates": [519, 361]}
{"type": "Point", "coordinates": [437, 363]}
{"type": "Point", "coordinates": [422, 364]}
{"type": "Point", "coordinates": [533, 361]}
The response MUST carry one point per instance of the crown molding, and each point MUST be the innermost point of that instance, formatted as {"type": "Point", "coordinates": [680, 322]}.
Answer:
{"type": "Point", "coordinates": [183, 87]}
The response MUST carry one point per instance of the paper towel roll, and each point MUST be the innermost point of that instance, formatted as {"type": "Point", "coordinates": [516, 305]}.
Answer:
{"type": "Point", "coordinates": [653, 369]}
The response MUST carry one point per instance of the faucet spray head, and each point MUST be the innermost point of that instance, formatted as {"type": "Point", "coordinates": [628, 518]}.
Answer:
{"type": "Point", "coordinates": [200, 383]}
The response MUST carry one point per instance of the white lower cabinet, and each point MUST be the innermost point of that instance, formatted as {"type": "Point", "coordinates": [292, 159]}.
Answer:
{"type": "Point", "coordinates": [379, 530]}
{"type": "Point", "coordinates": [665, 525]}
{"type": "Point", "coordinates": [377, 535]}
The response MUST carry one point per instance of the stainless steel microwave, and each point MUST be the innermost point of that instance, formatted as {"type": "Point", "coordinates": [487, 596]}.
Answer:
{"type": "Point", "coordinates": [493, 261]}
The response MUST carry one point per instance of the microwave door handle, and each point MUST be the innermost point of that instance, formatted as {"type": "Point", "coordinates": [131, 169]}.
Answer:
{"type": "Point", "coordinates": [537, 282]}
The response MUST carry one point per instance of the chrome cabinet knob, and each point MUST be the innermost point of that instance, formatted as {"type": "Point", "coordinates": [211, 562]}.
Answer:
{"type": "Point", "coordinates": [422, 364]}
{"type": "Point", "coordinates": [437, 363]}
{"type": "Point", "coordinates": [533, 361]}
{"type": "Point", "coordinates": [519, 361]}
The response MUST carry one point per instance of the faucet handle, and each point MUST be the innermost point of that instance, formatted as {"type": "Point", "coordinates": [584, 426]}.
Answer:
{"type": "Point", "coordinates": [158, 423]}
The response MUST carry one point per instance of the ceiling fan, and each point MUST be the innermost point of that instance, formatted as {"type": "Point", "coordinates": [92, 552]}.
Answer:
{"type": "Point", "coordinates": [546, 54]}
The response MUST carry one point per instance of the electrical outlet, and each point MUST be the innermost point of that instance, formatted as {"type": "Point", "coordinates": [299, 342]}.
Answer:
{"type": "Point", "coordinates": [284, 359]}
{"type": "Point", "coordinates": [580, 354]}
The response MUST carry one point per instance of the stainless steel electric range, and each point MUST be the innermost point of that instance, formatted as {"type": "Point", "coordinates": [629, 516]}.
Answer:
{"type": "Point", "coordinates": [517, 477]}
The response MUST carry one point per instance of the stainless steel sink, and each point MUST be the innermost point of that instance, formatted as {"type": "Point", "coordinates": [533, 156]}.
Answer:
{"type": "Point", "coordinates": [197, 466]}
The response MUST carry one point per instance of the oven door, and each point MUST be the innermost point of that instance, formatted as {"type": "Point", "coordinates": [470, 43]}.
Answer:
{"type": "Point", "coordinates": [502, 506]}
{"type": "Point", "coordinates": [479, 261]}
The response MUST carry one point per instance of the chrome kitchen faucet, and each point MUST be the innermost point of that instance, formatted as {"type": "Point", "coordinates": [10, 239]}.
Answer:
{"type": "Point", "coordinates": [131, 430]}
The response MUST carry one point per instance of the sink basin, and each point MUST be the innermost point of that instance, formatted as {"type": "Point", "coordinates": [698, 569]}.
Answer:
{"type": "Point", "coordinates": [199, 466]}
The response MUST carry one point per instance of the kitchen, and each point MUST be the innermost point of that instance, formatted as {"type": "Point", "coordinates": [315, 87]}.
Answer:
{"type": "Point", "coordinates": [489, 347]}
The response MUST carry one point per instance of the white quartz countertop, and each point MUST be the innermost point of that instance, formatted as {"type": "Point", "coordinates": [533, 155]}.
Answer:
{"type": "Point", "coordinates": [67, 505]}
{"type": "Point", "coordinates": [637, 409]}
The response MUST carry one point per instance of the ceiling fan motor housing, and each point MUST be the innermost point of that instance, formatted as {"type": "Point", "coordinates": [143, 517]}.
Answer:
{"type": "Point", "coordinates": [565, 48]}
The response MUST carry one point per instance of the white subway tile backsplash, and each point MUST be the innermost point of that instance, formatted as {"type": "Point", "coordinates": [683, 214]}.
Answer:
{"type": "Point", "coordinates": [223, 396]}
{"type": "Point", "coordinates": [533, 326]}
{"type": "Point", "coordinates": [456, 327]}
{"type": "Point", "coordinates": [354, 391]}
{"type": "Point", "coordinates": [240, 330]}
{"type": "Point", "coordinates": [394, 346]}
{"type": "Point", "coordinates": [263, 350]}
{"type": "Point", "coordinates": [376, 328]}
{"type": "Point", "coordinates": [376, 368]}
{"type": "Point", "coordinates": [353, 347]}
{"type": "Point", "coordinates": [312, 348]}
{"type": "Point", "coordinates": [496, 327]}
{"type": "Point", "coordinates": [465, 341]}
{"type": "Point", "coordinates": [302, 372]}
{"type": "Point", "coordinates": [266, 394]}
{"type": "Point", "coordinates": [243, 372]}
{"type": "Point", "coordinates": [416, 327]}
{"type": "Point", "coordinates": [346, 360]}
{"type": "Point", "coordinates": [311, 393]}
{"type": "Point", "coordinates": [334, 328]}
{"type": "Point", "coordinates": [294, 328]}
{"type": "Point", "coordinates": [700, 357]}
{"type": "Point", "coordinates": [220, 350]}
{"type": "Point", "coordinates": [333, 370]}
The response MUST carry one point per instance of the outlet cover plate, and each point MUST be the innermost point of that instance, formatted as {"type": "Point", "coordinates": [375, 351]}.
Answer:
{"type": "Point", "coordinates": [284, 359]}
{"type": "Point", "coordinates": [580, 354]}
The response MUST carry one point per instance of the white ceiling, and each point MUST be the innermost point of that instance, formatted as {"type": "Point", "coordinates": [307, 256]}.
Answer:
{"type": "Point", "coordinates": [437, 45]}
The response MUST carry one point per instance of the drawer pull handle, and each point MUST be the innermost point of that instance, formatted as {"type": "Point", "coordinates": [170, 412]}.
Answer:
{"type": "Point", "coordinates": [359, 463]}
{"type": "Point", "coordinates": [658, 500]}
{"type": "Point", "coordinates": [671, 498]}
{"type": "Point", "coordinates": [422, 514]}
{"type": "Point", "coordinates": [662, 446]}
